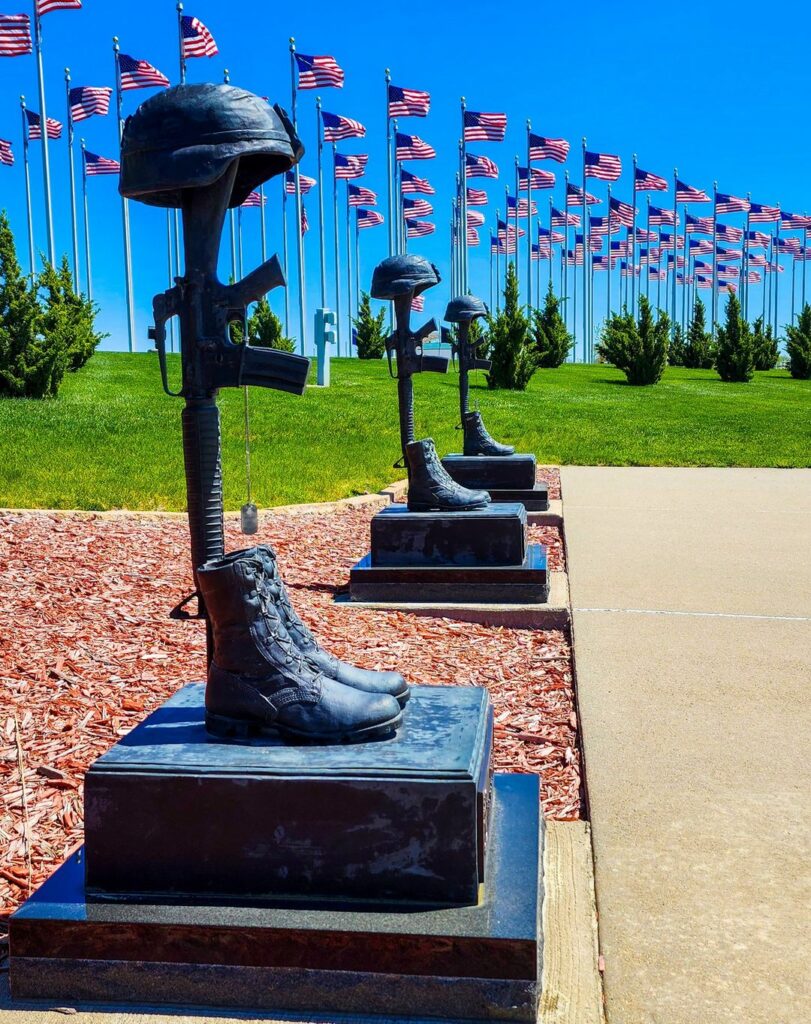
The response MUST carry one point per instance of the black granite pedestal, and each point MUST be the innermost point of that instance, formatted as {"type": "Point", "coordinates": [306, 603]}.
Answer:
{"type": "Point", "coordinates": [507, 478]}
{"type": "Point", "coordinates": [476, 557]}
{"type": "Point", "coordinates": [474, 963]}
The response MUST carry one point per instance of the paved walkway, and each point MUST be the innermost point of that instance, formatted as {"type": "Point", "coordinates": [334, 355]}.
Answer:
{"type": "Point", "coordinates": [692, 617]}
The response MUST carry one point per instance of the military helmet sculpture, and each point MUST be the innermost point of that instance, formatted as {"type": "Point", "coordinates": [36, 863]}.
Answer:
{"type": "Point", "coordinates": [465, 308]}
{"type": "Point", "coordinates": [406, 274]}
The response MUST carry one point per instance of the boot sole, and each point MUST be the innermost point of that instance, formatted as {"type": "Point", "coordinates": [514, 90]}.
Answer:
{"type": "Point", "coordinates": [427, 507]}
{"type": "Point", "coordinates": [224, 727]}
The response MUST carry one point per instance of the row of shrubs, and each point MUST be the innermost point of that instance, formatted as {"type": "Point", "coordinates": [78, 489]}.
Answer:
{"type": "Point", "coordinates": [46, 328]}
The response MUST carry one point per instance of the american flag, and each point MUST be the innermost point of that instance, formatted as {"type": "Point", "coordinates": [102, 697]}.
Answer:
{"type": "Point", "coordinates": [604, 166]}
{"type": "Point", "coordinates": [794, 221]}
{"type": "Point", "coordinates": [411, 183]}
{"type": "Point", "coordinates": [621, 248]}
{"type": "Point", "coordinates": [703, 282]}
{"type": "Point", "coordinates": [408, 102]}
{"type": "Point", "coordinates": [599, 225]}
{"type": "Point", "coordinates": [305, 183]}
{"type": "Point", "coordinates": [759, 214]}
{"type": "Point", "coordinates": [476, 197]}
{"type": "Point", "coordinates": [350, 165]}
{"type": "Point", "coordinates": [481, 127]}
{"type": "Point", "coordinates": [474, 219]}
{"type": "Point", "coordinates": [521, 205]}
{"type": "Point", "coordinates": [756, 239]}
{"type": "Point", "coordinates": [561, 219]}
{"type": "Point", "coordinates": [730, 204]}
{"type": "Point", "coordinates": [679, 260]}
{"type": "Point", "coordinates": [86, 100]}
{"type": "Point", "coordinates": [726, 270]}
{"type": "Point", "coordinates": [305, 224]}
{"type": "Point", "coordinates": [35, 126]}
{"type": "Point", "coordinates": [666, 240]}
{"type": "Point", "coordinates": [644, 181]}
{"type": "Point", "coordinates": [626, 271]}
{"type": "Point", "coordinates": [496, 246]}
{"type": "Point", "coordinates": [727, 288]}
{"type": "Point", "coordinates": [728, 234]}
{"type": "Point", "coordinates": [681, 280]}
{"type": "Point", "coordinates": [541, 252]}
{"type": "Point", "coordinates": [417, 228]}
{"type": "Point", "coordinates": [418, 303]}
{"type": "Point", "coordinates": [788, 244]}
{"type": "Point", "coordinates": [359, 195]}
{"type": "Point", "coordinates": [540, 179]}
{"type": "Point", "coordinates": [753, 277]}
{"type": "Point", "coordinates": [412, 147]}
{"type": "Point", "coordinates": [772, 268]}
{"type": "Point", "coordinates": [649, 255]}
{"type": "Point", "coordinates": [621, 212]}
{"type": "Point", "coordinates": [479, 167]}
{"type": "Point", "coordinates": [657, 275]}
{"type": "Point", "coordinates": [337, 127]}
{"type": "Point", "coordinates": [255, 199]}
{"type": "Point", "coordinates": [599, 262]}
{"type": "Point", "coordinates": [803, 254]}
{"type": "Point", "coordinates": [472, 236]}
{"type": "Point", "coordinates": [417, 207]}
{"type": "Point", "coordinates": [642, 235]}
{"type": "Point", "coordinates": [95, 164]}
{"type": "Point", "coordinates": [46, 6]}
{"type": "Point", "coordinates": [660, 216]}
{"type": "Point", "coordinates": [595, 242]}
{"type": "Point", "coordinates": [729, 254]}
{"type": "Point", "coordinates": [6, 156]}
{"type": "Point", "coordinates": [545, 235]}
{"type": "Point", "coordinates": [688, 194]}
{"type": "Point", "coordinates": [702, 266]}
{"type": "Point", "coordinates": [756, 259]}
{"type": "Point", "coordinates": [196, 39]}
{"type": "Point", "coordinates": [15, 35]}
{"type": "Point", "coordinates": [509, 230]}
{"type": "Point", "coordinates": [318, 72]}
{"type": "Point", "coordinates": [139, 74]}
{"type": "Point", "coordinates": [699, 246]}
{"type": "Point", "coordinates": [368, 218]}
{"type": "Point", "coordinates": [575, 258]}
{"type": "Point", "coordinates": [541, 148]}
{"type": "Point", "coordinates": [574, 196]}
{"type": "Point", "coordinates": [698, 225]}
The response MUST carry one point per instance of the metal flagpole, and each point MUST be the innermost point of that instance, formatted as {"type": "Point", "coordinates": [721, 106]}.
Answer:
{"type": "Point", "coordinates": [348, 271]}
{"type": "Point", "coordinates": [659, 270]}
{"type": "Point", "coordinates": [529, 225]}
{"type": "Point", "coordinates": [337, 249]}
{"type": "Point", "coordinates": [608, 268]}
{"type": "Point", "coordinates": [498, 261]}
{"type": "Point", "coordinates": [586, 248]}
{"type": "Point", "coordinates": [86, 225]}
{"type": "Point", "coordinates": [232, 223]}
{"type": "Point", "coordinates": [551, 250]}
{"type": "Point", "coordinates": [491, 276]}
{"type": "Point", "coordinates": [357, 277]}
{"type": "Point", "coordinates": [125, 209]}
{"type": "Point", "coordinates": [240, 264]}
{"type": "Point", "coordinates": [180, 44]}
{"type": "Point", "coordinates": [793, 276]}
{"type": "Point", "coordinates": [647, 253]}
{"type": "Point", "coordinates": [463, 233]}
{"type": "Point", "coordinates": [767, 275]}
{"type": "Point", "coordinates": [685, 272]}
{"type": "Point", "coordinates": [776, 272]}
{"type": "Point", "coordinates": [574, 310]}
{"type": "Point", "coordinates": [507, 232]}
{"type": "Point", "coordinates": [46, 167]}
{"type": "Point", "coordinates": [745, 261]}
{"type": "Point", "coordinates": [27, 188]}
{"type": "Point", "coordinates": [591, 297]}
{"type": "Point", "coordinates": [714, 256]}
{"type": "Point", "coordinates": [517, 232]}
{"type": "Point", "coordinates": [262, 232]}
{"type": "Point", "coordinates": [675, 247]}
{"type": "Point", "coordinates": [389, 169]}
{"type": "Point", "coordinates": [805, 259]}
{"type": "Point", "coordinates": [398, 203]}
{"type": "Point", "coordinates": [72, 172]}
{"type": "Point", "coordinates": [170, 274]}
{"type": "Point", "coordinates": [299, 234]}
{"type": "Point", "coordinates": [320, 144]}
{"type": "Point", "coordinates": [284, 256]}
{"type": "Point", "coordinates": [565, 256]}
{"type": "Point", "coordinates": [633, 240]}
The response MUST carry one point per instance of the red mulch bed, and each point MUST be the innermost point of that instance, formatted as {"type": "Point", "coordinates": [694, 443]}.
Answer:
{"type": "Point", "coordinates": [87, 649]}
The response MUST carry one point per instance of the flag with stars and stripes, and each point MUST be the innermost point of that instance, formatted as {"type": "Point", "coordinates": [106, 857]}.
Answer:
{"type": "Point", "coordinates": [679, 261]}
{"type": "Point", "coordinates": [540, 179]}
{"type": "Point", "coordinates": [305, 183]}
{"type": "Point", "coordinates": [196, 40]}
{"type": "Point", "coordinates": [575, 258]}
{"type": "Point", "coordinates": [703, 282]}
{"type": "Point", "coordinates": [688, 194]}
{"type": "Point", "coordinates": [475, 219]}
{"type": "Point", "coordinates": [620, 248]}
{"type": "Point", "coordinates": [318, 72]}
{"type": "Point", "coordinates": [725, 232]}
{"type": "Point", "coordinates": [95, 164]}
{"type": "Point", "coordinates": [728, 254]}
{"type": "Point", "coordinates": [794, 221]}
{"type": "Point", "coordinates": [730, 204]}
{"type": "Point", "coordinates": [417, 228]}
{"type": "Point", "coordinates": [337, 127]}
{"type": "Point", "coordinates": [788, 244]}
{"type": "Point", "coordinates": [540, 252]}
{"type": "Point", "coordinates": [359, 195]}
{"type": "Point", "coordinates": [412, 183]}
{"type": "Point", "coordinates": [753, 277]}
{"type": "Point", "coordinates": [418, 303]}
{"type": "Point", "coordinates": [305, 224]}
{"type": "Point", "coordinates": [759, 214]}
{"type": "Point", "coordinates": [6, 156]}
{"type": "Point", "coordinates": [574, 196]}
{"type": "Point", "coordinates": [562, 219]}
{"type": "Point", "coordinates": [757, 259]}
{"type": "Point", "coordinates": [698, 225]}
{"type": "Point", "coordinates": [255, 199]}
{"type": "Point", "coordinates": [496, 246]}
{"type": "Point", "coordinates": [476, 197]}
{"type": "Point", "coordinates": [15, 35]}
{"type": "Point", "coordinates": [350, 165]}
{"type": "Point", "coordinates": [480, 127]}
{"type": "Point", "coordinates": [139, 74]}
{"type": "Point", "coordinates": [666, 240]}
{"type": "Point", "coordinates": [479, 167]}
{"type": "Point", "coordinates": [369, 218]}
{"type": "Point", "coordinates": [541, 148]}
{"type": "Point", "coordinates": [46, 6]}
{"type": "Point", "coordinates": [659, 216]}
{"type": "Point", "coordinates": [417, 207]}
{"type": "Point", "coordinates": [521, 205]}
{"type": "Point", "coordinates": [599, 225]}
{"type": "Point", "coordinates": [408, 102]}
{"type": "Point", "coordinates": [773, 268]}
{"type": "Point", "coordinates": [35, 126]}
{"type": "Point", "coordinates": [700, 246]}
{"type": "Point", "coordinates": [86, 100]}
{"type": "Point", "coordinates": [641, 235]}
{"type": "Point", "coordinates": [412, 147]}
{"type": "Point", "coordinates": [506, 229]}
{"type": "Point", "coordinates": [472, 236]}
{"type": "Point", "coordinates": [644, 181]}
{"type": "Point", "coordinates": [621, 212]}
{"type": "Point", "coordinates": [604, 166]}
{"type": "Point", "coordinates": [756, 239]}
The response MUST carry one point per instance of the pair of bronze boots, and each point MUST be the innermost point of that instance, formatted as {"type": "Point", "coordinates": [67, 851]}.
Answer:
{"type": "Point", "coordinates": [268, 672]}
{"type": "Point", "coordinates": [430, 486]}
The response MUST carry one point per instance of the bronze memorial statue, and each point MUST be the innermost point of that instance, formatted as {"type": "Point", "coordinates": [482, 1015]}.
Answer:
{"type": "Point", "coordinates": [203, 149]}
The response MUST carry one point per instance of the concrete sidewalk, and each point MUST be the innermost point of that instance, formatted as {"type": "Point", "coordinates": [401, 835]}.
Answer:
{"type": "Point", "coordinates": [691, 594]}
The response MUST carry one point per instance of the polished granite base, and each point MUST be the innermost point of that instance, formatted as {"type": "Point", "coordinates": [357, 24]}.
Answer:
{"type": "Point", "coordinates": [510, 478]}
{"type": "Point", "coordinates": [525, 583]}
{"type": "Point", "coordinates": [473, 963]}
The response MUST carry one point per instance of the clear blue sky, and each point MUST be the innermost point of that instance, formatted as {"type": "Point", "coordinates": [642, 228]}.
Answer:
{"type": "Point", "coordinates": [713, 90]}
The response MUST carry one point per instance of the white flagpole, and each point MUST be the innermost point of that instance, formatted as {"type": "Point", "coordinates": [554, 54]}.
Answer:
{"type": "Point", "coordinates": [348, 269]}
{"type": "Point", "coordinates": [463, 229]}
{"type": "Point", "coordinates": [529, 228]}
{"type": "Point", "coordinates": [389, 169]}
{"type": "Point", "coordinates": [180, 43]}
{"type": "Point", "coordinates": [27, 170]}
{"type": "Point", "coordinates": [169, 264]}
{"type": "Point", "coordinates": [675, 247]}
{"type": "Point", "coordinates": [285, 260]}
{"type": "Point", "coordinates": [714, 256]}
{"type": "Point", "coordinates": [240, 264]}
{"type": "Point", "coordinates": [125, 210]}
{"type": "Point", "coordinates": [86, 225]}
{"type": "Point", "coordinates": [320, 148]}
{"type": "Point", "coordinates": [72, 170]}
{"type": "Point", "coordinates": [299, 235]}
{"type": "Point", "coordinates": [357, 277]}
{"type": "Point", "coordinates": [633, 241]}
{"type": "Point", "coordinates": [262, 232]}
{"type": "Point", "coordinates": [46, 166]}
{"type": "Point", "coordinates": [337, 250]}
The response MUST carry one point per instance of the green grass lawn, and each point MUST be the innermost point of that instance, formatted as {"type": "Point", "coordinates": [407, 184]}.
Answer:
{"type": "Point", "coordinates": [112, 438]}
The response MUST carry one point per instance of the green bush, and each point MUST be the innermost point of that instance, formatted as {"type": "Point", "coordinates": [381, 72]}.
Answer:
{"type": "Point", "coordinates": [766, 352]}
{"type": "Point", "coordinates": [675, 355]}
{"type": "Point", "coordinates": [511, 348]}
{"type": "Point", "coordinates": [552, 341]}
{"type": "Point", "coordinates": [638, 349]}
{"type": "Point", "coordinates": [734, 359]}
{"type": "Point", "coordinates": [265, 329]}
{"type": "Point", "coordinates": [798, 345]}
{"type": "Point", "coordinates": [371, 332]}
{"type": "Point", "coordinates": [68, 319]}
{"type": "Point", "coordinates": [699, 351]}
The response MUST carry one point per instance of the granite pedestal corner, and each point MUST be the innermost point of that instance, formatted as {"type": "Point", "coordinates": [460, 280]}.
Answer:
{"type": "Point", "coordinates": [507, 478]}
